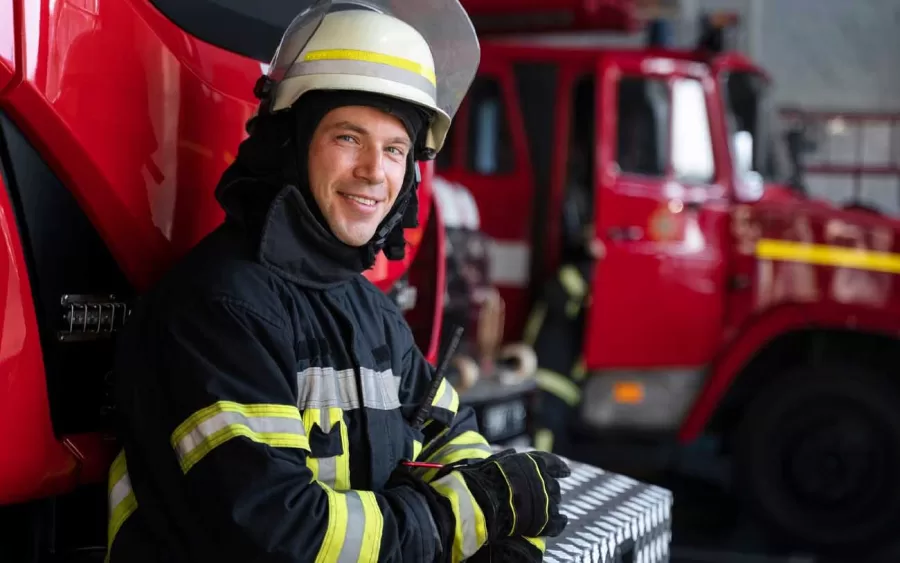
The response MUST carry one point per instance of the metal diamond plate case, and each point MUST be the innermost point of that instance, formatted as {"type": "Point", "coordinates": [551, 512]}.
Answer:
{"type": "Point", "coordinates": [612, 519]}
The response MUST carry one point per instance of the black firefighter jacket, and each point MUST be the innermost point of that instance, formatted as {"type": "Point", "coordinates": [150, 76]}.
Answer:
{"type": "Point", "coordinates": [262, 390]}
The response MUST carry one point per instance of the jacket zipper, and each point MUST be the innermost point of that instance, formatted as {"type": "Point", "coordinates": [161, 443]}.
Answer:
{"type": "Point", "coordinates": [357, 372]}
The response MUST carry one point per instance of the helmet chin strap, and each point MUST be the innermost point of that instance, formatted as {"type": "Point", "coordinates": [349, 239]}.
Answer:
{"type": "Point", "coordinates": [390, 237]}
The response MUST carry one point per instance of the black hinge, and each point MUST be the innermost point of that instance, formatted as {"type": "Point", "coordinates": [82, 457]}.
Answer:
{"type": "Point", "coordinates": [91, 317]}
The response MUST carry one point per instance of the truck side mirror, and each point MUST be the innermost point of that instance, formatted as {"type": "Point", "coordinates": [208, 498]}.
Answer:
{"type": "Point", "coordinates": [748, 182]}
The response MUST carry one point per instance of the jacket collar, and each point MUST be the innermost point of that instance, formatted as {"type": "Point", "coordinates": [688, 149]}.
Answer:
{"type": "Point", "coordinates": [287, 237]}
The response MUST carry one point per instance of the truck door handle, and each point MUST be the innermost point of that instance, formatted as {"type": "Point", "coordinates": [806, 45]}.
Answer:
{"type": "Point", "coordinates": [623, 234]}
{"type": "Point", "coordinates": [677, 205]}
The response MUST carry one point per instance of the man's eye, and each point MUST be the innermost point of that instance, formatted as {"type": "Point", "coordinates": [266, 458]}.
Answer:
{"type": "Point", "coordinates": [347, 138]}
{"type": "Point", "coordinates": [396, 150]}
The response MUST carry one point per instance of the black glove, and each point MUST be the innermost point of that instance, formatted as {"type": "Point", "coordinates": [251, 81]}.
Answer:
{"type": "Point", "coordinates": [510, 550]}
{"type": "Point", "coordinates": [517, 492]}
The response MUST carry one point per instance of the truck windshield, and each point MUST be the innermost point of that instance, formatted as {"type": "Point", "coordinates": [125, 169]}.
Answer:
{"type": "Point", "coordinates": [252, 29]}
{"type": "Point", "coordinates": [750, 108]}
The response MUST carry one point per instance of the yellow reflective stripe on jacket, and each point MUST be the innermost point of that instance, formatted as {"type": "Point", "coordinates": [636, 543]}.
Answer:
{"type": "Point", "coordinates": [446, 397]}
{"type": "Point", "coordinates": [355, 525]}
{"type": "Point", "coordinates": [572, 282]}
{"type": "Point", "coordinates": [558, 385]}
{"type": "Point", "coordinates": [468, 440]}
{"type": "Point", "coordinates": [429, 447]}
{"type": "Point", "coordinates": [580, 370]}
{"type": "Point", "coordinates": [342, 461]}
{"type": "Point", "coordinates": [534, 323]}
{"type": "Point", "coordinates": [120, 499]}
{"type": "Point", "coordinates": [333, 471]}
{"type": "Point", "coordinates": [312, 417]}
{"type": "Point", "coordinates": [278, 426]}
{"type": "Point", "coordinates": [467, 445]}
{"type": "Point", "coordinates": [575, 287]}
{"type": "Point", "coordinates": [537, 542]}
{"type": "Point", "coordinates": [470, 530]}
{"type": "Point", "coordinates": [543, 439]}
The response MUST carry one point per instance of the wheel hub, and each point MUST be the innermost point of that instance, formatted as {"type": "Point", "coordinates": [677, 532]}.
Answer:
{"type": "Point", "coordinates": [833, 464]}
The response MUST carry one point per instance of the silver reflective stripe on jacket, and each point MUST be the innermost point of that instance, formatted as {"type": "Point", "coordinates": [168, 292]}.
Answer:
{"type": "Point", "coordinates": [325, 387]}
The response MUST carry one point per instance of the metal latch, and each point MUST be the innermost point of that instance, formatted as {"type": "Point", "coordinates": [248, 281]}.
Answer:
{"type": "Point", "coordinates": [91, 317]}
{"type": "Point", "coordinates": [404, 295]}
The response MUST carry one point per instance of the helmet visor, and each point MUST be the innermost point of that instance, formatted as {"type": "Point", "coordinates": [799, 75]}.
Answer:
{"type": "Point", "coordinates": [443, 24]}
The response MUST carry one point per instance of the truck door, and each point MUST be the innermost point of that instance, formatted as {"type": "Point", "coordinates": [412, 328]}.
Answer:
{"type": "Point", "coordinates": [660, 213]}
{"type": "Point", "coordinates": [487, 153]}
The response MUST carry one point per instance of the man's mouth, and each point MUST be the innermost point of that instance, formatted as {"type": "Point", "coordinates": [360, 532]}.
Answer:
{"type": "Point", "coordinates": [369, 202]}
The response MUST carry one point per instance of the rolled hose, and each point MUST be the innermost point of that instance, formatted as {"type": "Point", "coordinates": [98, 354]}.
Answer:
{"type": "Point", "coordinates": [468, 370]}
{"type": "Point", "coordinates": [516, 362]}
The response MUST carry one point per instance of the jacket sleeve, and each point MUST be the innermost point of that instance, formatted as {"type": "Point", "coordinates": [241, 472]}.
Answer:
{"type": "Point", "coordinates": [451, 431]}
{"type": "Point", "coordinates": [450, 434]}
{"type": "Point", "coordinates": [237, 439]}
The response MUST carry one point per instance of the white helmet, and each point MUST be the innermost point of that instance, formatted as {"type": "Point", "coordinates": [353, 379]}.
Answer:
{"type": "Point", "coordinates": [362, 45]}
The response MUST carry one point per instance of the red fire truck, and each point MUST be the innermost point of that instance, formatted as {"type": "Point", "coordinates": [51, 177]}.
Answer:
{"type": "Point", "coordinates": [728, 308]}
{"type": "Point", "coordinates": [116, 119]}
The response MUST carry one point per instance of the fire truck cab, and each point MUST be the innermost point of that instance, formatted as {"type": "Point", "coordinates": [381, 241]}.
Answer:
{"type": "Point", "coordinates": [726, 305]}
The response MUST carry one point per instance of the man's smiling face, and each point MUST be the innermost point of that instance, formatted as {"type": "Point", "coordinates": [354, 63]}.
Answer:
{"type": "Point", "coordinates": [357, 162]}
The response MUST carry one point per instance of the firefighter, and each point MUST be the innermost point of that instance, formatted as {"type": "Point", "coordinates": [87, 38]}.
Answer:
{"type": "Point", "coordinates": [264, 387]}
{"type": "Point", "coordinates": [556, 326]}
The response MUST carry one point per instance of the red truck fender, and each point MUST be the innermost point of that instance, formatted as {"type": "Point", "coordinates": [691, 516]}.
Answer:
{"type": "Point", "coordinates": [765, 328]}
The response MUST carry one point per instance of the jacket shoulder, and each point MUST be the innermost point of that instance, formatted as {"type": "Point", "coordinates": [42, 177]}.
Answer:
{"type": "Point", "coordinates": [381, 300]}
{"type": "Point", "coordinates": [221, 268]}
{"type": "Point", "coordinates": [390, 319]}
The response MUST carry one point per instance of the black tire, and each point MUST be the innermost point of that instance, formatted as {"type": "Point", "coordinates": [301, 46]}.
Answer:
{"type": "Point", "coordinates": [817, 457]}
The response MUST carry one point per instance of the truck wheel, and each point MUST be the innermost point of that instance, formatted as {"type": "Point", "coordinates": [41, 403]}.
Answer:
{"type": "Point", "coordinates": [818, 457]}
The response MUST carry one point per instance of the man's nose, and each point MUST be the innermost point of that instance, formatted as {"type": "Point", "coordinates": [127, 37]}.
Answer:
{"type": "Point", "coordinates": [370, 166]}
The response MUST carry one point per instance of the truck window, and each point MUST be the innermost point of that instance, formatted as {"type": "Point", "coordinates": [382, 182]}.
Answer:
{"type": "Point", "coordinates": [749, 104]}
{"type": "Point", "coordinates": [252, 29]}
{"type": "Point", "coordinates": [692, 152]}
{"type": "Point", "coordinates": [643, 112]}
{"type": "Point", "coordinates": [490, 142]}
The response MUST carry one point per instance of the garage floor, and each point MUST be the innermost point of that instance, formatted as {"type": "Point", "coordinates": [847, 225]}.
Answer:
{"type": "Point", "coordinates": [709, 527]}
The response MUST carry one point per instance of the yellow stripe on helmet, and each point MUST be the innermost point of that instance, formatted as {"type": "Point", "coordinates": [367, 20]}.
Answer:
{"type": "Point", "coordinates": [372, 57]}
